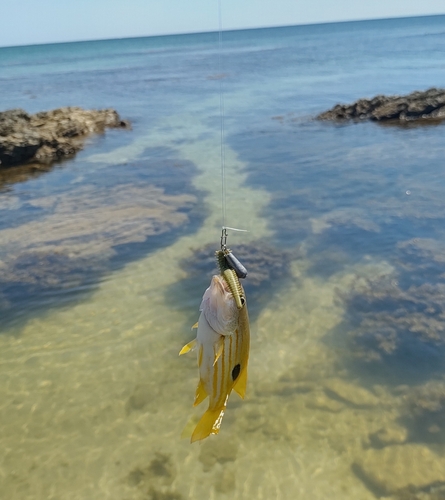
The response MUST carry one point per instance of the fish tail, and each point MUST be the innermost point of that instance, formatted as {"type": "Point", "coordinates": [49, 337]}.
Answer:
{"type": "Point", "coordinates": [209, 424]}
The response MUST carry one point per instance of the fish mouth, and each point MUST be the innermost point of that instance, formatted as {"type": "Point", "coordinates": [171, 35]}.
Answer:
{"type": "Point", "coordinates": [220, 283]}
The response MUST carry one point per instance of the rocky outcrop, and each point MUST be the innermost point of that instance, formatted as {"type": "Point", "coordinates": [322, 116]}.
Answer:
{"type": "Point", "coordinates": [50, 135]}
{"type": "Point", "coordinates": [427, 105]}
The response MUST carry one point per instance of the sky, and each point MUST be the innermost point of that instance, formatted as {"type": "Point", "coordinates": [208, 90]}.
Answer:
{"type": "Point", "coordinates": [28, 22]}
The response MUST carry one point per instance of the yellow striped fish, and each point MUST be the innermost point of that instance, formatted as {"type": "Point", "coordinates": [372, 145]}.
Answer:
{"type": "Point", "coordinates": [223, 342]}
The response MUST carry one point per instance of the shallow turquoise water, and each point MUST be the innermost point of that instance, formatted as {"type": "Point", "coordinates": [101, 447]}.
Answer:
{"type": "Point", "coordinates": [101, 273]}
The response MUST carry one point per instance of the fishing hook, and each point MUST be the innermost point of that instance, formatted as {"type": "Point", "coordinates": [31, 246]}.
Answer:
{"type": "Point", "coordinates": [230, 258]}
{"type": "Point", "coordinates": [224, 239]}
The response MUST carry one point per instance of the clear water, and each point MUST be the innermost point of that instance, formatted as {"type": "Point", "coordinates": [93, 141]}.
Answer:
{"type": "Point", "coordinates": [101, 273]}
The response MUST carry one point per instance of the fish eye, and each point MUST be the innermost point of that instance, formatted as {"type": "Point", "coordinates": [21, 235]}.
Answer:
{"type": "Point", "coordinates": [243, 301]}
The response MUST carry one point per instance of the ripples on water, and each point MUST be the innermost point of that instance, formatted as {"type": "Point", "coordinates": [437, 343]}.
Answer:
{"type": "Point", "coordinates": [104, 259]}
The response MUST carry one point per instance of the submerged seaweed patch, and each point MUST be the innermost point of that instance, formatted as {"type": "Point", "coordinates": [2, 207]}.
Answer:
{"type": "Point", "coordinates": [68, 239]}
{"type": "Point", "coordinates": [396, 320]}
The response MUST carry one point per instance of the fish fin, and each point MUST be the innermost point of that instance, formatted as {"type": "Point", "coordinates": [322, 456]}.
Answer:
{"type": "Point", "coordinates": [209, 424]}
{"type": "Point", "coordinates": [189, 426]}
{"type": "Point", "coordinates": [195, 326]}
{"type": "Point", "coordinates": [188, 347]}
{"type": "Point", "coordinates": [241, 384]}
{"type": "Point", "coordinates": [200, 393]}
{"type": "Point", "coordinates": [219, 349]}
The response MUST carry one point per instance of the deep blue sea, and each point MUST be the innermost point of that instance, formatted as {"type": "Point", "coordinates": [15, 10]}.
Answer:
{"type": "Point", "coordinates": [103, 263]}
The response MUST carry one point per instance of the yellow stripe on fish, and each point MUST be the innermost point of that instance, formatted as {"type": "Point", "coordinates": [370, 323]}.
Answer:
{"type": "Point", "coordinates": [223, 341]}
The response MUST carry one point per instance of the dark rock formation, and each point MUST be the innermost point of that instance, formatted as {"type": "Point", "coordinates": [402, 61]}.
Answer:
{"type": "Point", "coordinates": [427, 105]}
{"type": "Point", "coordinates": [49, 135]}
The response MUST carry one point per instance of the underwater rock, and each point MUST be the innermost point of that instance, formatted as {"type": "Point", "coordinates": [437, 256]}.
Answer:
{"type": "Point", "coordinates": [350, 393]}
{"type": "Point", "coordinates": [425, 412]}
{"type": "Point", "coordinates": [400, 467]}
{"type": "Point", "coordinates": [389, 435]}
{"type": "Point", "coordinates": [49, 136]}
{"type": "Point", "coordinates": [426, 105]}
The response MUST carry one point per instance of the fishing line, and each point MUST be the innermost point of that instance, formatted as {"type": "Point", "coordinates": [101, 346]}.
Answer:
{"type": "Point", "coordinates": [221, 113]}
{"type": "Point", "coordinates": [222, 138]}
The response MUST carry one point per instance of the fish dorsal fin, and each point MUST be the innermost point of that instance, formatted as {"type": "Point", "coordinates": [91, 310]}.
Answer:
{"type": "Point", "coordinates": [218, 349]}
{"type": "Point", "coordinates": [188, 347]}
{"type": "Point", "coordinates": [200, 394]}
{"type": "Point", "coordinates": [241, 383]}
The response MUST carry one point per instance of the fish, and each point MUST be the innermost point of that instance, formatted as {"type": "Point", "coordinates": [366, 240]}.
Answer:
{"type": "Point", "coordinates": [223, 345]}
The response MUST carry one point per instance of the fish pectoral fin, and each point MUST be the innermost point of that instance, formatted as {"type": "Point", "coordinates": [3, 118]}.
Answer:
{"type": "Point", "coordinates": [200, 393]}
{"type": "Point", "coordinates": [195, 326]}
{"type": "Point", "coordinates": [218, 349]}
{"type": "Point", "coordinates": [241, 383]}
{"type": "Point", "coordinates": [188, 347]}
{"type": "Point", "coordinates": [209, 424]}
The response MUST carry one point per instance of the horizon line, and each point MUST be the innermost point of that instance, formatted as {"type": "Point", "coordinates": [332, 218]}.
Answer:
{"type": "Point", "coordinates": [344, 21]}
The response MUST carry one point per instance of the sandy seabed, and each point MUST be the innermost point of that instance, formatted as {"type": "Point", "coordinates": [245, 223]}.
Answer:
{"type": "Point", "coordinates": [93, 397]}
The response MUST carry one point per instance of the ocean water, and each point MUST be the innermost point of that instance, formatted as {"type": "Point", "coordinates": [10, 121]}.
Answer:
{"type": "Point", "coordinates": [104, 259]}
